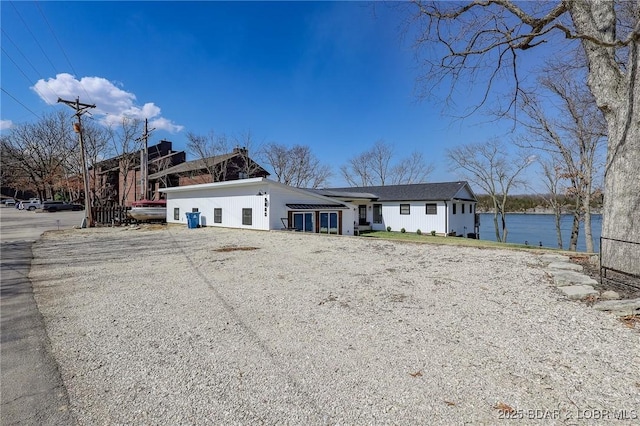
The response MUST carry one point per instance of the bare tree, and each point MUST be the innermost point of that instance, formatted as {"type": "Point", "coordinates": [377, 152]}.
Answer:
{"type": "Point", "coordinates": [552, 178]}
{"type": "Point", "coordinates": [246, 148]}
{"type": "Point", "coordinates": [126, 146]}
{"type": "Point", "coordinates": [412, 169]}
{"type": "Point", "coordinates": [208, 149]}
{"type": "Point", "coordinates": [36, 153]}
{"type": "Point", "coordinates": [96, 143]}
{"type": "Point", "coordinates": [484, 38]}
{"type": "Point", "coordinates": [574, 130]}
{"type": "Point", "coordinates": [357, 170]}
{"type": "Point", "coordinates": [496, 173]}
{"type": "Point", "coordinates": [375, 167]}
{"type": "Point", "coordinates": [296, 166]}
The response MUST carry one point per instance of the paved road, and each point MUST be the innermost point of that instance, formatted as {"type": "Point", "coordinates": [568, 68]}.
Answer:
{"type": "Point", "coordinates": [32, 390]}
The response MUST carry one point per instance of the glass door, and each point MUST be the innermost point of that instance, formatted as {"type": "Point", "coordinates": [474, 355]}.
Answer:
{"type": "Point", "coordinates": [303, 222]}
{"type": "Point", "coordinates": [328, 222]}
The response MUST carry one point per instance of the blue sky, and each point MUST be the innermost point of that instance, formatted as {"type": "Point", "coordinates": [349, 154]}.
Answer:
{"type": "Point", "coordinates": [336, 76]}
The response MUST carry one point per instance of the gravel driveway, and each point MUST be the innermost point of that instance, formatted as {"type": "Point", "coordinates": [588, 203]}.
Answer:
{"type": "Point", "coordinates": [221, 326]}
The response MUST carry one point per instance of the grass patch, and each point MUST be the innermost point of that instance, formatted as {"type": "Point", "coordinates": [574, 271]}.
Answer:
{"type": "Point", "coordinates": [453, 241]}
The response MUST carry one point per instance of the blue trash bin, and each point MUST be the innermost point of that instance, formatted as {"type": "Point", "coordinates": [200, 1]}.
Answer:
{"type": "Point", "coordinates": [193, 220]}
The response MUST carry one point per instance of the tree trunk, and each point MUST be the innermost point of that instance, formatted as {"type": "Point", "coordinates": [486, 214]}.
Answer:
{"type": "Point", "coordinates": [495, 224]}
{"type": "Point", "coordinates": [504, 227]}
{"type": "Point", "coordinates": [558, 220]}
{"type": "Point", "coordinates": [575, 230]}
{"type": "Point", "coordinates": [586, 208]}
{"type": "Point", "coordinates": [617, 93]}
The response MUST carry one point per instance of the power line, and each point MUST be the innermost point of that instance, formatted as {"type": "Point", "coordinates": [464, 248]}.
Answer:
{"type": "Point", "coordinates": [62, 49]}
{"type": "Point", "coordinates": [16, 99]}
{"type": "Point", "coordinates": [21, 53]}
{"type": "Point", "coordinates": [34, 37]}
{"type": "Point", "coordinates": [25, 75]}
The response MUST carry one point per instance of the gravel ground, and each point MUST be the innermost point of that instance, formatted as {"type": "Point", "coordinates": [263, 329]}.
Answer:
{"type": "Point", "coordinates": [220, 326]}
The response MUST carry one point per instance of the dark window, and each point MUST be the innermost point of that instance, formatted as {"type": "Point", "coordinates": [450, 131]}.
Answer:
{"type": "Point", "coordinates": [462, 209]}
{"type": "Point", "coordinates": [432, 209]}
{"type": "Point", "coordinates": [217, 215]}
{"type": "Point", "coordinates": [405, 209]}
{"type": "Point", "coordinates": [377, 213]}
{"type": "Point", "coordinates": [176, 213]}
{"type": "Point", "coordinates": [247, 216]}
{"type": "Point", "coordinates": [454, 208]}
{"type": "Point", "coordinates": [470, 208]}
{"type": "Point", "coordinates": [194, 210]}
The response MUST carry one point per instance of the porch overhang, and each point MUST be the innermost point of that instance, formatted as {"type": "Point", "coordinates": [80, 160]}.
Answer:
{"type": "Point", "coordinates": [316, 206]}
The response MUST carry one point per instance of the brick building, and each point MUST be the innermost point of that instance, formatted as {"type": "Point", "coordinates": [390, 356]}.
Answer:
{"type": "Point", "coordinates": [118, 180]}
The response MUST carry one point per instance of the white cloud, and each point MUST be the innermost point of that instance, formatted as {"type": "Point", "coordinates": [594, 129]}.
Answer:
{"type": "Point", "coordinates": [6, 124]}
{"type": "Point", "coordinates": [112, 103]}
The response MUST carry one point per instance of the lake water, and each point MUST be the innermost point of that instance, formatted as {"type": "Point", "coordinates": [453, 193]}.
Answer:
{"type": "Point", "coordinates": [540, 227]}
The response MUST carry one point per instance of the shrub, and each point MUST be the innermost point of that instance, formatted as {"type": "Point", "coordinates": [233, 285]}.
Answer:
{"type": "Point", "coordinates": [403, 230]}
{"type": "Point", "coordinates": [419, 232]}
{"type": "Point", "coordinates": [388, 229]}
{"type": "Point", "coordinates": [433, 233]}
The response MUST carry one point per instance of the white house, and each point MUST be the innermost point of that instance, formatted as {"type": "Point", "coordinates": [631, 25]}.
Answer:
{"type": "Point", "coordinates": [444, 207]}
{"type": "Point", "coordinates": [260, 203]}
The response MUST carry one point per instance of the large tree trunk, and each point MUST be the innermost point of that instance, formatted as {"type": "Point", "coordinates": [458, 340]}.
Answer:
{"type": "Point", "coordinates": [618, 96]}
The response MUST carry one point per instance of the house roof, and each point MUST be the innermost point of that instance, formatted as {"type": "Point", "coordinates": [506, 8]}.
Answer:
{"type": "Point", "coordinates": [411, 192]}
{"type": "Point", "coordinates": [192, 165]}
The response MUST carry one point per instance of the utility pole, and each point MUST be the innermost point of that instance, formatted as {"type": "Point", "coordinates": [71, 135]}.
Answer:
{"type": "Point", "coordinates": [80, 109]}
{"type": "Point", "coordinates": [144, 162]}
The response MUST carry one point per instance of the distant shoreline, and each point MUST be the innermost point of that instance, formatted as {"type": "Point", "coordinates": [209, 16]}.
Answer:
{"type": "Point", "coordinates": [546, 212]}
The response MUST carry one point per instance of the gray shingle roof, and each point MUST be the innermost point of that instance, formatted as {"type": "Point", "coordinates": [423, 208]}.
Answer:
{"type": "Point", "coordinates": [412, 192]}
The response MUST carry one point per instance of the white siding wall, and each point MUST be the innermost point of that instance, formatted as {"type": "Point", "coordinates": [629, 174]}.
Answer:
{"type": "Point", "coordinates": [461, 223]}
{"type": "Point", "coordinates": [417, 219]}
{"type": "Point", "coordinates": [279, 197]}
{"type": "Point", "coordinates": [232, 200]}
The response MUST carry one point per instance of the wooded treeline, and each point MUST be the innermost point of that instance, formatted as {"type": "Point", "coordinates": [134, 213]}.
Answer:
{"type": "Point", "coordinates": [534, 203]}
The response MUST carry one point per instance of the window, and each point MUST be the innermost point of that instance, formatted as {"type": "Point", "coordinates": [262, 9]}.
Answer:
{"type": "Point", "coordinates": [405, 209]}
{"type": "Point", "coordinates": [247, 216]}
{"type": "Point", "coordinates": [217, 215]}
{"type": "Point", "coordinates": [303, 222]}
{"type": "Point", "coordinates": [377, 213]}
{"type": "Point", "coordinates": [176, 213]}
{"type": "Point", "coordinates": [462, 209]}
{"type": "Point", "coordinates": [454, 208]}
{"type": "Point", "coordinates": [194, 210]}
{"type": "Point", "coordinates": [431, 209]}
{"type": "Point", "coordinates": [470, 208]}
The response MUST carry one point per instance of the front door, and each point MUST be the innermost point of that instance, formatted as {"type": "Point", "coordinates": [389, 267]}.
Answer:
{"type": "Point", "coordinates": [362, 215]}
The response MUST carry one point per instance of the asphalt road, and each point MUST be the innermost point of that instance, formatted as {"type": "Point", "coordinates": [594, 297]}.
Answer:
{"type": "Point", "coordinates": [32, 390]}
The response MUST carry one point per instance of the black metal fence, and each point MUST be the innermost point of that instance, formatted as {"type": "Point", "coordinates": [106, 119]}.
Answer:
{"type": "Point", "coordinates": [620, 262]}
{"type": "Point", "coordinates": [113, 216]}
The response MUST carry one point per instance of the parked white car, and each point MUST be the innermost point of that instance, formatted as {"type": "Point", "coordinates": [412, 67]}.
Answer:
{"type": "Point", "coordinates": [32, 204]}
